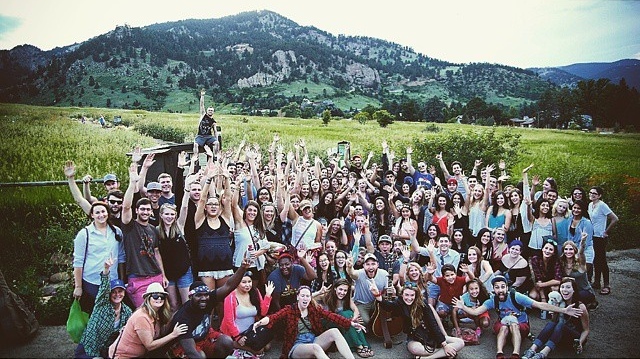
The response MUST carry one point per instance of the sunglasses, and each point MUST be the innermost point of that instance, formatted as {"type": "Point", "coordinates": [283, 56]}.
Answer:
{"type": "Point", "coordinates": [157, 296]}
{"type": "Point", "coordinates": [552, 242]}
{"type": "Point", "coordinates": [115, 201]}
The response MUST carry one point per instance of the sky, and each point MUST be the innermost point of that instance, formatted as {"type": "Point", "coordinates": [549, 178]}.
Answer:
{"type": "Point", "coordinates": [522, 33]}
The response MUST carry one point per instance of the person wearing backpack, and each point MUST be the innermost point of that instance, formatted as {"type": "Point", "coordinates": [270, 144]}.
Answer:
{"type": "Point", "coordinates": [510, 306]}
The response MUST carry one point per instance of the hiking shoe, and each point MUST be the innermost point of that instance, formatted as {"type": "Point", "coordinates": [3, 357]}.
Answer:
{"type": "Point", "coordinates": [528, 354]}
{"type": "Point", "coordinates": [478, 332]}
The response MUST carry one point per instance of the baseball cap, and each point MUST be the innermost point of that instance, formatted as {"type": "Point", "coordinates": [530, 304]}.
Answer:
{"type": "Point", "coordinates": [154, 186]}
{"type": "Point", "coordinates": [305, 203]}
{"type": "Point", "coordinates": [117, 283]}
{"type": "Point", "coordinates": [385, 238]}
{"type": "Point", "coordinates": [452, 180]}
{"type": "Point", "coordinates": [498, 278]}
{"type": "Point", "coordinates": [370, 256]}
{"type": "Point", "coordinates": [110, 177]}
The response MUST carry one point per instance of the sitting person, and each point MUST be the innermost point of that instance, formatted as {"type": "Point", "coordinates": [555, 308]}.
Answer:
{"type": "Point", "coordinates": [451, 286]}
{"type": "Point", "coordinates": [564, 328]}
{"type": "Point", "coordinates": [142, 332]}
{"type": "Point", "coordinates": [422, 324]}
{"type": "Point", "coordinates": [547, 272]}
{"type": "Point", "coordinates": [474, 296]}
{"type": "Point", "coordinates": [241, 308]}
{"type": "Point", "coordinates": [338, 300]}
{"type": "Point", "coordinates": [304, 336]}
{"type": "Point", "coordinates": [107, 318]}
{"type": "Point", "coordinates": [287, 278]}
{"type": "Point", "coordinates": [510, 306]}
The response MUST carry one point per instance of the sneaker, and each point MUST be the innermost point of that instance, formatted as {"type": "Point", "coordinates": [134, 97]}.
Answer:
{"type": "Point", "coordinates": [528, 354]}
{"type": "Point", "coordinates": [478, 332]}
{"type": "Point", "coordinates": [539, 355]}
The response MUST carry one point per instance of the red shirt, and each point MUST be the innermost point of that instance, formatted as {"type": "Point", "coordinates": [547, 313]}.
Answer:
{"type": "Point", "coordinates": [449, 291]}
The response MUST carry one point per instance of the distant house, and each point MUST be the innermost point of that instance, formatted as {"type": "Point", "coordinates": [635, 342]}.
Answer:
{"type": "Point", "coordinates": [526, 121]}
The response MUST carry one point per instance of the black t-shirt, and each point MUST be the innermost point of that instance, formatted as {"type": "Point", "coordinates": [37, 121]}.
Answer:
{"type": "Point", "coordinates": [197, 320]}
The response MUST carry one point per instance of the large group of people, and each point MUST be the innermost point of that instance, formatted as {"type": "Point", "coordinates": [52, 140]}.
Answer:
{"type": "Point", "coordinates": [309, 249]}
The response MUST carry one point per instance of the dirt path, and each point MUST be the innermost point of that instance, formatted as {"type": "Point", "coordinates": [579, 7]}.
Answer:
{"type": "Point", "coordinates": [614, 328]}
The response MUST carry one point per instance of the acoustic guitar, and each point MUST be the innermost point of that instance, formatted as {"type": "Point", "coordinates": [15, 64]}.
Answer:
{"type": "Point", "coordinates": [383, 324]}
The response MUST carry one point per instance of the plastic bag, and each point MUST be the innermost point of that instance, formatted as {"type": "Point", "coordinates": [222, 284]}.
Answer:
{"type": "Point", "coordinates": [77, 321]}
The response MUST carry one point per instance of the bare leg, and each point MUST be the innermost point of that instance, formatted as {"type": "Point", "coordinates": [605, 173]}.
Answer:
{"type": "Point", "coordinates": [174, 300]}
{"type": "Point", "coordinates": [309, 351]}
{"type": "Point", "coordinates": [416, 348]}
{"type": "Point", "coordinates": [501, 337]}
{"type": "Point", "coordinates": [516, 338]}
{"type": "Point", "coordinates": [333, 335]}
{"type": "Point", "coordinates": [210, 282]}
{"type": "Point", "coordinates": [184, 294]}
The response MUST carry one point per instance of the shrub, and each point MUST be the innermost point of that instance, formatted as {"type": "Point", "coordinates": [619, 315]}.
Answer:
{"type": "Point", "coordinates": [432, 127]}
{"type": "Point", "coordinates": [467, 146]}
{"type": "Point", "coordinates": [165, 133]}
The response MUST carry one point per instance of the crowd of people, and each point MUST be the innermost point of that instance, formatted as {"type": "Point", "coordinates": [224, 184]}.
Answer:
{"type": "Point", "coordinates": [308, 250]}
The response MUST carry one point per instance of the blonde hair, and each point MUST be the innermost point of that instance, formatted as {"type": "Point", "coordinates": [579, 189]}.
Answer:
{"type": "Point", "coordinates": [417, 308]}
{"type": "Point", "coordinates": [162, 315]}
{"type": "Point", "coordinates": [555, 207]}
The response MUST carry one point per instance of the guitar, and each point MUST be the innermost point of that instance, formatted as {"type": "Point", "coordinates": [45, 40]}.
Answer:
{"type": "Point", "coordinates": [383, 325]}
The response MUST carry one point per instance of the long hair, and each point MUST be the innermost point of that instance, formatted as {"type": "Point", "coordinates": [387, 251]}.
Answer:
{"type": "Point", "coordinates": [447, 204]}
{"type": "Point", "coordinates": [519, 192]}
{"type": "Point", "coordinates": [319, 269]}
{"type": "Point", "coordinates": [554, 210]}
{"type": "Point", "coordinates": [422, 282]}
{"type": "Point", "coordinates": [331, 299]}
{"type": "Point", "coordinates": [457, 194]}
{"type": "Point", "coordinates": [536, 208]}
{"type": "Point", "coordinates": [253, 292]}
{"type": "Point", "coordinates": [174, 230]}
{"type": "Point", "coordinates": [417, 308]}
{"type": "Point", "coordinates": [488, 254]}
{"type": "Point", "coordinates": [162, 316]}
{"type": "Point", "coordinates": [494, 200]}
{"type": "Point", "coordinates": [574, 298]}
{"type": "Point", "coordinates": [478, 265]}
{"type": "Point", "coordinates": [257, 223]}
{"type": "Point", "coordinates": [483, 295]}
{"type": "Point", "coordinates": [583, 206]}
{"type": "Point", "coordinates": [267, 225]}
{"type": "Point", "coordinates": [563, 258]}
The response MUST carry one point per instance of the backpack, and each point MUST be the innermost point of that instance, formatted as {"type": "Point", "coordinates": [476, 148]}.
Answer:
{"type": "Point", "coordinates": [17, 322]}
{"type": "Point", "coordinates": [512, 294]}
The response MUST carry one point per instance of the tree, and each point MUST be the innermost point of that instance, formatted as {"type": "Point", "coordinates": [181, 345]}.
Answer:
{"type": "Point", "coordinates": [291, 110]}
{"type": "Point", "coordinates": [326, 117]}
{"type": "Point", "coordinates": [433, 109]}
{"type": "Point", "coordinates": [383, 117]}
{"type": "Point", "coordinates": [362, 117]}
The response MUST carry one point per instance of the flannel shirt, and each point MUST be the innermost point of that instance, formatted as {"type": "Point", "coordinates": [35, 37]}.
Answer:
{"type": "Point", "coordinates": [291, 314]}
{"type": "Point", "coordinates": [100, 325]}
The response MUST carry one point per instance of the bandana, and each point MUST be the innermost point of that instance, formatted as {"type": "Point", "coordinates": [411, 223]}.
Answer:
{"type": "Point", "coordinates": [200, 289]}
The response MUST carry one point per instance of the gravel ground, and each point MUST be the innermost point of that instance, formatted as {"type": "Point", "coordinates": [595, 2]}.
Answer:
{"type": "Point", "coordinates": [613, 326]}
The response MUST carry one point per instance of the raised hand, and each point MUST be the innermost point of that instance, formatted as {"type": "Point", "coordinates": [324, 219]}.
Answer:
{"type": "Point", "coordinates": [136, 155]}
{"type": "Point", "coordinates": [148, 161]}
{"type": "Point", "coordinates": [439, 156]}
{"type": "Point", "coordinates": [431, 267]}
{"type": "Point", "coordinates": [269, 288]}
{"type": "Point", "coordinates": [69, 169]}
{"type": "Point", "coordinates": [133, 173]}
{"type": "Point", "coordinates": [409, 150]}
{"type": "Point", "coordinates": [535, 180]}
{"type": "Point", "coordinates": [182, 159]}
{"type": "Point", "coordinates": [527, 168]}
{"type": "Point", "coordinates": [108, 264]}
{"type": "Point", "coordinates": [477, 163]}
{"type": "Point", "coordinates": [464, 268]}
{"type": "Point", "coordinates": [502, 165]}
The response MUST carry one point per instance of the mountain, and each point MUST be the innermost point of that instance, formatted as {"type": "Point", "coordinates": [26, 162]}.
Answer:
{"type": "Point", "coordinates": [569, 75]}
{"type": "Point", "coordinates": [248, 62]}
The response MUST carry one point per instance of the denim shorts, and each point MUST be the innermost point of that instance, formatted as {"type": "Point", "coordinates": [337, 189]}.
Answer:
{"type": "Point", "coordinates": [184, 281]}
{"type": "Point", "coordinates": [205, 140]}
{"type": "Point", "coordinates": [443, 307]}
{"type": "Point", "coordinates": [305, 338]}
{"type": "Point", "coordinates": [434, 290]}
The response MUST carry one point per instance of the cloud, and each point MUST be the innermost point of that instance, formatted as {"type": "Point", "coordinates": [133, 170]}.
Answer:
{"type": "Point", "coordinates": [8, 24]}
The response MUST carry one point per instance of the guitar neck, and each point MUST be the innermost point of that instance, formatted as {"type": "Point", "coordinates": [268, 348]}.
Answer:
{"type": "Point", "coordinates": [389, 293]}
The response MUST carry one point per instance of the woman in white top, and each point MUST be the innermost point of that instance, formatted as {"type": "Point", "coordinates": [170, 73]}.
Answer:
{"type": "Point", "coordinates": [600, 213]}
{"type": "Point", "coordinates": [250, 239]}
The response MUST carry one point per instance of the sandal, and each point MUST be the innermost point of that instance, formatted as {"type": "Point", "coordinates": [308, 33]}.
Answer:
{"type": "Point", "coordinates": [605, 290]}
{"type": "Point", "coordinates": [362, 353]}
{"type": "Point", "coordinates": [369, 352]}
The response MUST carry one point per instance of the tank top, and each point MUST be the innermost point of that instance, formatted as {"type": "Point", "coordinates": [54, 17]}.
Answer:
{"type": "Point", "coordinates": [214, 247]}
{"type": "Point", "coordinates": [298, 230]}
{"type": "Point", "coordinates": [476, 219]}
{"type": "Point", "coordinates": [245, 317]}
